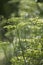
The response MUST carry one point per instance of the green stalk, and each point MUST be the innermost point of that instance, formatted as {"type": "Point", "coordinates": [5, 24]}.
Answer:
{"type": "Point", "coordinates": [21, 47]}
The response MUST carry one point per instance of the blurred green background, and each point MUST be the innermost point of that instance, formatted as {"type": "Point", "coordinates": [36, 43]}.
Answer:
{"type": "Point", "coordinates": [21, 32]}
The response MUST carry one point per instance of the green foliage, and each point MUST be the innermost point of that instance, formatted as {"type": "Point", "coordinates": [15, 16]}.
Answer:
{"type": "Point", "coordinates": [21, 35]}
